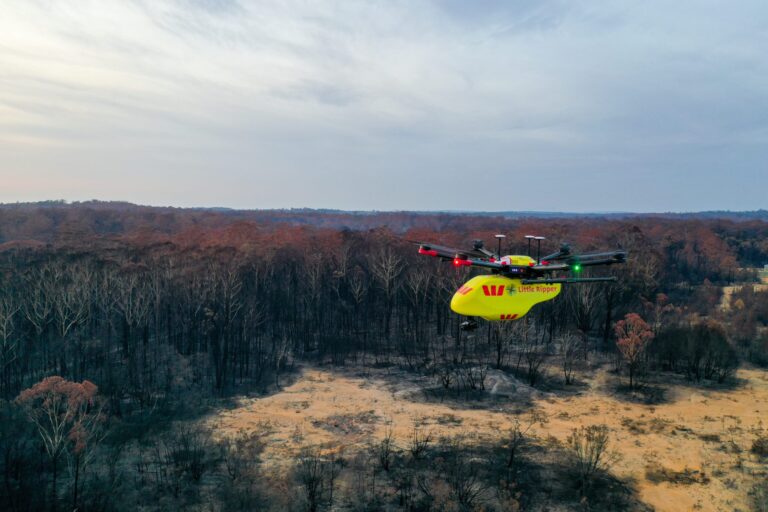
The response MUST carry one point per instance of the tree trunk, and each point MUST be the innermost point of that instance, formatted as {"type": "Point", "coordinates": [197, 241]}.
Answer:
{"type": "Point", "coordinates": [77, 479]}
{"type": "Point", "coordinates": [54, 496]}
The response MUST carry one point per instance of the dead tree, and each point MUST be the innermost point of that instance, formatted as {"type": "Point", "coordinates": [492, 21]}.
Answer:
{"type": "Point", "coordinates": [8, 345]}
{"type": "Point", "coordinates": [535, 354]}
{"type": "Point", "coordinates": [38, 306]}
{"type": "Point", "coordinates": [132, 302]}
{"type": "Point", "coordinates": [583, 302]}
{"type": "Point", "coordinates": [386, 266]}
{"type": "Point", "coordinates": [71, 297]}
{"type": "Point", "coordinates": [222, 311]}
{"type": "Point", "coordinates": [569, 348]}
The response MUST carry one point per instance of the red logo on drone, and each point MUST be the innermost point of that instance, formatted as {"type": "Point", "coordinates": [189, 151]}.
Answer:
{"type": "Point", "coordinates": [493, 290]}
{"type": "Point", "coordinates": [464, 290]}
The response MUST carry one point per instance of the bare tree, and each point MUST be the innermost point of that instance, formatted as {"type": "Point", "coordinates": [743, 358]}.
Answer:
{"type": "Point", "coordinates": [583, 299]}
{"type": "Point", "coordinates": [417, 284]}
{"type": "Point", "coordinates": [313, 277]}
{"type": "Point", "coordinates": [463, 476]}
{"type": "Point", "coordinates": [317, 475]}
{"type": "Point", "coordinates": [8, 345]}
{"type": "Point", "coordinates": [385, 448]}
{"type": "Point", "coordinates": [221, 311]}
{"type": "Point", "coordinates": [132, 302]}
{"type": "Point", "coordinates": [38, 306]}
{"type": "Point", "coordinates": [569, 348]}
{"type": "Point", "coordinates": [71, 296]}
{"type": "Point", "coordinates": [386, 266]}
{"type": "Point", "coordinates": [241, 453]}
{"type": "Point", "coordinates": [534, 355]}
{"type": "Point", "coordinates": [132, 298]}
{"type": "Point", "coordinates": [358, 285]}
{"type": "Point", "coordinates": [519, 434]}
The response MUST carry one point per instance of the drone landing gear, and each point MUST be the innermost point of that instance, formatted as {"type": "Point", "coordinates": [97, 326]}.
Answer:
{"type": "Point", "coordinates": [469, 325]}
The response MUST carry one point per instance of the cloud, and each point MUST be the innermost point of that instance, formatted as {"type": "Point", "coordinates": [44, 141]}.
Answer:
{"type": "Point", "coordinates": [388, 105]}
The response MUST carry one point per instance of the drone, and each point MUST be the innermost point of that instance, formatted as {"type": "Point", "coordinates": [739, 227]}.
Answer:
{"type": "Point", "coordinates": [516, 282]}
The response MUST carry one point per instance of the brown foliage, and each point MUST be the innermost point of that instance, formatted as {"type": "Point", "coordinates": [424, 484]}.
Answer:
{"type": "Point", "coordinates": [633, 336]}
{"type": "Point", "coordinates": [65, 413]}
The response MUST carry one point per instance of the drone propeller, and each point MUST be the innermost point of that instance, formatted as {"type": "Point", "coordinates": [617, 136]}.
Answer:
{"type": "Point", "coordinates": [478, 246]}
{"type": "Point", "coordinates": [562, 253]}
{"type": "Point", "coordinates": [576, 262]}
{"type": "Point", "coordinates": [442, 251]}
{"type": "Point", "coordinates": [460, 258]}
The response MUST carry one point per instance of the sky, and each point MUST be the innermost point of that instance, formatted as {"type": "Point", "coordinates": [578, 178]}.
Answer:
{"type": "Point", "coordinates": [502, 105]}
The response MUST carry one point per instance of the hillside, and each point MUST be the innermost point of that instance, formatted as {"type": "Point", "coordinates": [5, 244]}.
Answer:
{"type": "Point", "coordinates": [221, 360]}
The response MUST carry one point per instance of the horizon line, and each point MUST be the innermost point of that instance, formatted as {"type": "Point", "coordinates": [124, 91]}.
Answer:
{"type": "Point", "coordinates": [106, 202]}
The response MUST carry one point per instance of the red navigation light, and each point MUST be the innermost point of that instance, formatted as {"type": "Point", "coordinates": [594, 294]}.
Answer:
{"type": "Point", "coordinates": [428, 252]}
{"type": "Point", "coordinates": [458, 262]}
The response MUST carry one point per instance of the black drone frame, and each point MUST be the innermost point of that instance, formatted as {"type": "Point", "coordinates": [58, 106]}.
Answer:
{"type": "Point", "coordinates": [535, 273]}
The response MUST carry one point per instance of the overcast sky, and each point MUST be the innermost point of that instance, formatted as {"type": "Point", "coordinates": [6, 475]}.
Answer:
{"type": "Point", "coordinates": [463, 105]}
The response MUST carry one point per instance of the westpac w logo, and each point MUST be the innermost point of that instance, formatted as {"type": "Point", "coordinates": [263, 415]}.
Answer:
{"type": "Point", "coordinates": [493, 290]}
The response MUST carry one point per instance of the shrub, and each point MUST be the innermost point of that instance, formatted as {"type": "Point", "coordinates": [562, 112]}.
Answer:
{"type": "Point", "coordinates": [760, 446]}
{"type": "Point", "coordinates": [463, 475]}
{"type": "Point", "coordinates": [420, 441]}
{"type": "Point", "coordinates": [385, 449]}
{"type": "Point", "coordinates": [759, 495]}
{"type": "Point", "coordinates": [317, 474]}
{"type": "Point", "coordinates": [589, 446]}
{"type": "Point", "coordinates": [657, 474]}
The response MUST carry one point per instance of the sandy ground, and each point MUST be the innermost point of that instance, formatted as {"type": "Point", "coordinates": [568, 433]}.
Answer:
{"type": "Point", "coordinates": [708, 432]}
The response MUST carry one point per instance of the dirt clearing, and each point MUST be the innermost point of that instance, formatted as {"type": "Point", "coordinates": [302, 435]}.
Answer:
{"type": "Point", "coordinates": [689, 453]}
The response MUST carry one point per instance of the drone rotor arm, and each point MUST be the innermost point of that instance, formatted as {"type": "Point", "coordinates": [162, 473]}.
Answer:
{"type": "Point", "coordinates": [601, 258]}
{"type": "Point", "coordinates": [600, 261]}
{"type": "Point", "coordinates": [480, 263]}
{"type": "Point", "coordinates": [444, 252]}
{"type": "Point", "coordinates": [618, 256]}
{"type": "Point", "coordinates": [552, 267]}
{"type": "Point", "coordinates": [438, 251]}
{"type": "Point", "coordinates": [568, 280]}
{"type": "Point", "coordinates": [460, 258]}
{"type": "Point", "coordinates": [577, 261]}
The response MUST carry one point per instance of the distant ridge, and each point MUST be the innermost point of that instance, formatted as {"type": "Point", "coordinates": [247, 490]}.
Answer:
{"type": "Point", "coordinates": [761, 214]}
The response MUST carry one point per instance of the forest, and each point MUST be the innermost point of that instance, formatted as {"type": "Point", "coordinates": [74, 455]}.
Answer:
{"type": "Point", "coordinates": [121, 326]}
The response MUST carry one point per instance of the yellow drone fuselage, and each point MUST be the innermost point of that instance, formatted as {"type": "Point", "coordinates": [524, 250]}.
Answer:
{"type": "Point", "coordinates": [498, 297]}
{"type": "Point", "coordinates": [517, 283]}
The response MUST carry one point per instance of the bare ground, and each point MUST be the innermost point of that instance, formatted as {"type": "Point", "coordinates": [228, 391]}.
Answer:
{"type": "Point", "coordinates": [689, 452]}
{"type": "Point", "coordinates": [728, 291]}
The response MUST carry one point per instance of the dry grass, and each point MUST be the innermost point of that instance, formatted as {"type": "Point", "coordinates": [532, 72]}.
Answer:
{"type": "Point", "coordinates": [691, 452]}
